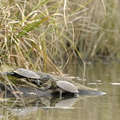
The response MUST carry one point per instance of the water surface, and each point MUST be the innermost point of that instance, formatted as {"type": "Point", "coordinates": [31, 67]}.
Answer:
{"type": "Point", "coordinates": [102, 76]}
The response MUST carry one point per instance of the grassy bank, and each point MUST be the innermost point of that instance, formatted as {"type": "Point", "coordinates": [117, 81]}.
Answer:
{"type": "Point", "coordinates": [40, 34]}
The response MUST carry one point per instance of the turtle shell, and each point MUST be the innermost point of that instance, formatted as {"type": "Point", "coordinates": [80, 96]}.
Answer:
{"type": "Point", "coordinates": [67, 86]}
{"type": "Point", "coordinates": [26, 73]}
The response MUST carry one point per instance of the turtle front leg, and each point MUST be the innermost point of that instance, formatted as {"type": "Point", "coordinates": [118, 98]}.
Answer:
{"type": "Point", "coordinates": [38, 83]}
{"type": "Point", "coordinates": [76, 95]}
{"type": "Point", "coordinates": [60, 92]}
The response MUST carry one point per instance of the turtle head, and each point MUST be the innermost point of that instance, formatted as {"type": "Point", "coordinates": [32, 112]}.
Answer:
{"type": "Point", "coordinates": [53, 84]}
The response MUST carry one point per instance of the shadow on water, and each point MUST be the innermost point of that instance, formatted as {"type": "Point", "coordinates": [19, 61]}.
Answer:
{"type": "Point", "coordinates": [102, 76]}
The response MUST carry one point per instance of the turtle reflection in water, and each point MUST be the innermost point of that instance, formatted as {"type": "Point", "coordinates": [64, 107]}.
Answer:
{"type": "Point", "coordinates": [65, 86]}
{"type": "Point", "coordinates": [30, 76]}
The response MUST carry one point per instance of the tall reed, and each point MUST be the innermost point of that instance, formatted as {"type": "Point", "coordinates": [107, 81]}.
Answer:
{"type": "Point", "coordinates": [40, 34]}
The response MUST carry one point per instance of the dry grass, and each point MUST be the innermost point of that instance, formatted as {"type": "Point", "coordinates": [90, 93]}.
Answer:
{"type": "Point", "coordinates": [40, 34]}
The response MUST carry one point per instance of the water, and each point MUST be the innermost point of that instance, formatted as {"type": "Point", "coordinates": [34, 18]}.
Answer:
{"type": "Point", "coordinates": [102, 76]}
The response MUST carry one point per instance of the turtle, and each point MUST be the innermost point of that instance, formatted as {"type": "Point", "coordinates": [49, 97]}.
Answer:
{"type": "Point", "coordinates": [30, 76]}
{"type": "Point", "coordinates": [65, 86]}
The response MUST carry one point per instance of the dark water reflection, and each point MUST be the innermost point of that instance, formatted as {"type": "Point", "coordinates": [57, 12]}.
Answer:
{"type": "Point", "coordinates": [103, 76]}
